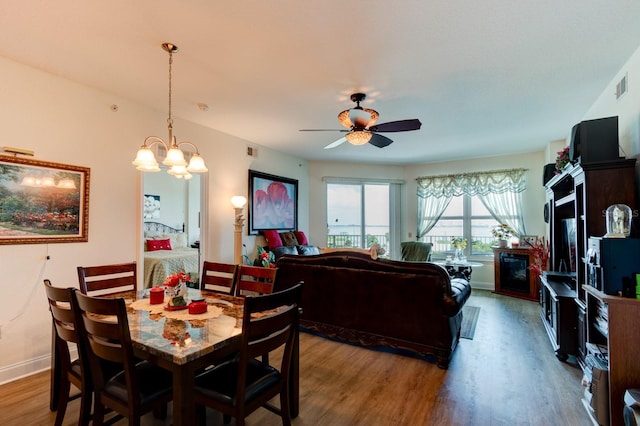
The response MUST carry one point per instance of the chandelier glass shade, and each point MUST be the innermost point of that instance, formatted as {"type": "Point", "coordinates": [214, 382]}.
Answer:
{"type": "Point", "coordinates": [146, 160]}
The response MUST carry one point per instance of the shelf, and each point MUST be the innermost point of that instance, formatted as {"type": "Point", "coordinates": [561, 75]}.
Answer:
{"type": "Point", "coordinates": [566, 200]}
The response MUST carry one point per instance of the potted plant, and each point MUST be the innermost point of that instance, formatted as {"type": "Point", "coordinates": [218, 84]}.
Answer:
{"type": "Point", "coordinates": [502, 233]}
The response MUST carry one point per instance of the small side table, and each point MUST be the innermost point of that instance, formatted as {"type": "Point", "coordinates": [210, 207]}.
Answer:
{"type": "Point", "coordinates": [459, 269]}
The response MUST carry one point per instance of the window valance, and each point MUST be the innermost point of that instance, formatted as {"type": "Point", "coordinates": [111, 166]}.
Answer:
{"type": "Point", "coordinates": [475, 183]}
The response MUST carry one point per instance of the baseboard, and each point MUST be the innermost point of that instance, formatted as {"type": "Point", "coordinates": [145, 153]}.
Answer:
{"type": "Point", "coordinates": [482, 285]}
{"type": "Point", "coordinates": [22, 369]}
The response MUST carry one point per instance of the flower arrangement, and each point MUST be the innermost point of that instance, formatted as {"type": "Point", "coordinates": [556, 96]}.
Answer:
{"type": "Point", "coordinates": [266, 258]}
{"type": "Point", "coordinates": [175, 279]}
{"type": "Point", "coordinates": [175, 287]}
{"type": "Point", "coordinates": [540, 252]}
{"type": "Point", "coordinates": [502, 231]}
{"type": "Point", "coordinates": [562, 159]}
{"type": "Point", "coordinates": [458, 243]}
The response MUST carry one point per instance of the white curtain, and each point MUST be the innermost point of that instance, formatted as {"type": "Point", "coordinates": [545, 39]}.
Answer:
{"type": "Point", "coordinates": [499, 190]}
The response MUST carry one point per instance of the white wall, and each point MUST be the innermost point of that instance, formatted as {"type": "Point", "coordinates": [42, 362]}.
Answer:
{"type": "Point", "coordinates": [65, 122]}
{"type": "Point", "coordinates": [627, 108]}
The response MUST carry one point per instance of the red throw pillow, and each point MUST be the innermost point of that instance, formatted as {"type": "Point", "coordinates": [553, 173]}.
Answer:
{"type": "Point", "coordinates": [302, 239]}
{"type": "Point", "coordinates": [273, 238]}
{"type": "Point", "coordinates": [153, 245]}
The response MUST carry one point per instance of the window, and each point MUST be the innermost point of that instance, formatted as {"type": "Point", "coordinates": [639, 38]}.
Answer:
{"type": "Point", "coordinates": [463, 205]}
{"type": "Point", "coordinates": [468, 218]}
{"type": "Point", "coordinates": [359, 214]}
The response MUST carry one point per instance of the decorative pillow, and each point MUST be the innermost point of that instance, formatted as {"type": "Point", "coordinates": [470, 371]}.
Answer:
{"type": "Point", "coordinates": [153, 245]}
{"type": "Point", "coordinates": [279, 251]}
{"type": "Point", "coordinates": [178, 240]}
{"type": "Point", "coordinates": [288, 239]}
{"type": "Point", "coordinates": [273, 238]}
{"type": "Point", "coordinates": [308, 250]}
{"type": "Point", "coordinates": [302, 239]}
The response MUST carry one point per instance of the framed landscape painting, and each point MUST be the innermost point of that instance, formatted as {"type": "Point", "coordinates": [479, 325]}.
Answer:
{"type": "Point", "coordinates": [43, 202]}
{"type": "Point", "coordinates": [273, 202]}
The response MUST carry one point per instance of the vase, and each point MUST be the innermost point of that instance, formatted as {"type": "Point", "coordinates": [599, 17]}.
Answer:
{"type": "Point", "coordinates": [459, 255]}
{"type": "Point", "coordinates": [179, 289]}
{"type": "Point", "coordinates": [502, 243]}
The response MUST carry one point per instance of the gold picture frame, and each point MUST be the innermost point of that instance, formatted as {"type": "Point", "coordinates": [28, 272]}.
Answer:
{"type": "Point", "coordinates": [43, 202]}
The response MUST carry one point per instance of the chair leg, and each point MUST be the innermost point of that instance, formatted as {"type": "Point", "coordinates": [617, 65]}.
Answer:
{"type": "Point", "coordinates": [285, 410]}
{"type": "Point", "coordinates": [63, 400]}
{"type": "Point", "coordinates": [226, 419]}
{"type": "Point", "coordinates": [85, 406]}
{"type": "Point", "coordinates": [98, 413]}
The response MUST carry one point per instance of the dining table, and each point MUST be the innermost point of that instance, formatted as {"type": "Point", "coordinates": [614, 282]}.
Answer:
{"type": "Point", "coordinates": [185, 343]}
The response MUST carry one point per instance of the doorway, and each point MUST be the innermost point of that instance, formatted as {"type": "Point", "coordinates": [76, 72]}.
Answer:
{"type": "Point", "coordinates": [175, 204]}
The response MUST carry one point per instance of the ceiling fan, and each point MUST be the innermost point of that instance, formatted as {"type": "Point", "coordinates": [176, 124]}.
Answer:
{"type": "Point", "coordinates": [362, 128]}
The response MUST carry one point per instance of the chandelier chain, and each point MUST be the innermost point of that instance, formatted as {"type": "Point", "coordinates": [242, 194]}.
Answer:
{"type": "Point", "coordinates": [169, 120]}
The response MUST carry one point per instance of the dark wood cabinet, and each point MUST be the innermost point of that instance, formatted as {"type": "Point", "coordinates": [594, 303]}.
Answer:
{"type": "Point", "coordinates": [571, 310]}
{"type": "Point", "coordinates": [559, 315]}
{"type": "Point", "coordinates": [617, 333]}
{"type": "Point", "coordinates": [512, 274]}
{"type": "Point", "coordinates": [576, 201]}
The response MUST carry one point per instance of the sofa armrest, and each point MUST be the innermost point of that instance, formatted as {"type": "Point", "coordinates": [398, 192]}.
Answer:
{"type": "Point", "coordinates": [461, 290]}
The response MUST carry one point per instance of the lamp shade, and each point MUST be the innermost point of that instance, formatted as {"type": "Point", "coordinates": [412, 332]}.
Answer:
{"type": "Point", "coordinates": [146, 161]}
{"type": "Point", "coordinates": [358, 137]}
{"type": "Point", "coordinates": [175, 157]}
{"type": "Point", "coordinates": [238, 201]}
{"type": "Point", "coordinates": [196, 164]}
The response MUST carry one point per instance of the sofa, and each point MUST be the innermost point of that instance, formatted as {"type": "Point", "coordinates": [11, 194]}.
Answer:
{"type": "Point", "coordinates": [412, 307]}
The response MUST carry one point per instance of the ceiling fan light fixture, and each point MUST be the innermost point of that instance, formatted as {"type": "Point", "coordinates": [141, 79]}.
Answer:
{"type": "Point", "coordinates": [344, 119]}
{"type": "Point", "coordinates": [358, 137]}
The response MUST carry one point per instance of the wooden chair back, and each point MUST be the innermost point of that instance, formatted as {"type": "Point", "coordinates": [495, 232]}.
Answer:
{"type": "Point", "coordinates": [270, 322]}
{"type": "Point", "coordinates": [218, 277]}
{"type": "Point", "coordinates": [140, 387]}
{"type": "Point", "coordinates": [64, 371]}
{"type": "Point", "coordinates": [255, 279]}
{"type": "Point", "coordinates": [106, 279]}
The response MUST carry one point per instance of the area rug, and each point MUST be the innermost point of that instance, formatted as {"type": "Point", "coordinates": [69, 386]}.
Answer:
{"type": "Point", "coordinates": [469, 321]}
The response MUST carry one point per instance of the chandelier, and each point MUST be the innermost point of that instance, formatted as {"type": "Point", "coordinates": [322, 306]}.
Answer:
{"type": "Point", "coordinates": [174, 159]}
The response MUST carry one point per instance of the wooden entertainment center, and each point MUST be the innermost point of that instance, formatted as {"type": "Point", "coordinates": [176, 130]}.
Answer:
{"type": "Point", "coordinates": [572, 309]}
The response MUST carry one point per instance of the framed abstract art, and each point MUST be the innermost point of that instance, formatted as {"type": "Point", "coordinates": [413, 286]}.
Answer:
{"type": "Point", "coordinates": [273, 202]}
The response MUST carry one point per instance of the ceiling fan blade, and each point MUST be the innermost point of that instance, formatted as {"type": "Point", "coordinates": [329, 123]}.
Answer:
{"type": "Point", "coordinates": [397, 126]}
{"type": "Point", "coordinates": [379, 140]}
{"type": "Point", "coordinates": [323, 130]}
{"type": "Point", "coordinates": [336, 143]}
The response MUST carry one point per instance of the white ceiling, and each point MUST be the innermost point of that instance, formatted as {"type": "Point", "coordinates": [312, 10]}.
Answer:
{"type": "Point", "coordinates": [484, 77]}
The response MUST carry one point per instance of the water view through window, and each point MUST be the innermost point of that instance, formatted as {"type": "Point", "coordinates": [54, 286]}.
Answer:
{"type": "Point", "coordinates": [357, 215]}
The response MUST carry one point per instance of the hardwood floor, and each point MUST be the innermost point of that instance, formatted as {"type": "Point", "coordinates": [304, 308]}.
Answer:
{"type": "Point", "coordinates": [507, 375]}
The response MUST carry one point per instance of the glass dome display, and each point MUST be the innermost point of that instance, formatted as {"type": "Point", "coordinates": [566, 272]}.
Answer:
{"type": "Point", "coordinates": [618, 221]}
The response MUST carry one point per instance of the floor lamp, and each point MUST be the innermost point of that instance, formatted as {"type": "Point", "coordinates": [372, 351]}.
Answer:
{"type": "Point", "coordinates": [238, 202]}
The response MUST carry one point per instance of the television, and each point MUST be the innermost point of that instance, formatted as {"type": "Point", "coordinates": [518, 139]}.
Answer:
{"type": "Point", "coordinates": [594, 140]}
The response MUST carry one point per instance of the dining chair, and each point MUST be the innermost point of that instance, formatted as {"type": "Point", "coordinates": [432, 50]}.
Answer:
{"type": "Point", "coordinates": [106, 279]}
{"type": "Point", "coordinates": [66, 372]}
{"type": "Point", "coordinates": [140, 387]}
{"type": "Point", "coordinates": [255, 279]}
{"type": "Point", "coordinates": [218, 277]}
{"type": "Point", "coordinates": [239, 386]}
